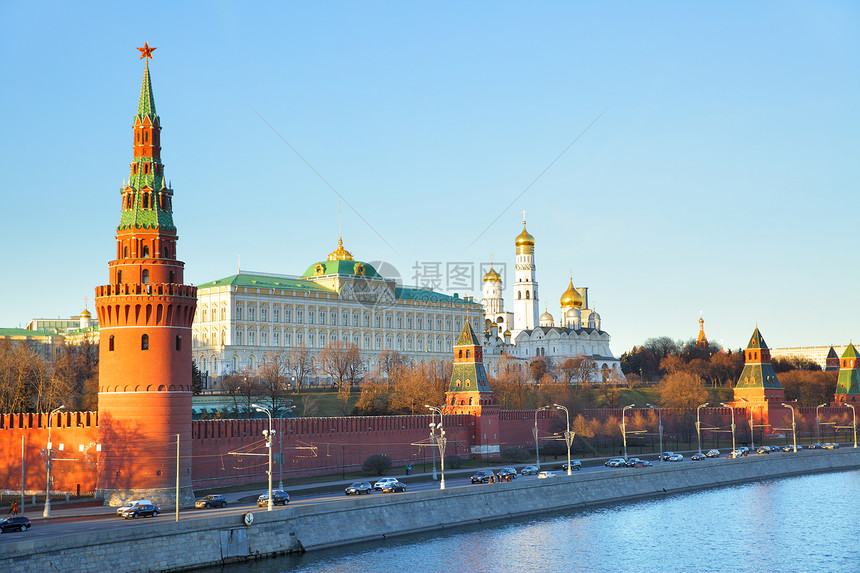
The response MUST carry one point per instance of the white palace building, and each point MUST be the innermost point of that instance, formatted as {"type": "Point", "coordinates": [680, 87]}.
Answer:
{"type": "Point", "coordinates": [246, 319]}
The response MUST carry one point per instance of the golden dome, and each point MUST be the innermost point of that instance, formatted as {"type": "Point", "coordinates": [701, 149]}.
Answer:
{"type": "Point", "coordinates": [340, 254]}
{"type": "Point", "coordinates": [571, 297]}
{"type": "Point", "coordinates": [492, 276]}
{"type": "Point", "coordinates": [524, 239]}
{"type": "Point", "coordinates": [86, 314]}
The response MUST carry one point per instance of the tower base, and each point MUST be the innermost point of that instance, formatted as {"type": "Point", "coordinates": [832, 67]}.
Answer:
{"type": "Point", "coordinates": [162, 497]}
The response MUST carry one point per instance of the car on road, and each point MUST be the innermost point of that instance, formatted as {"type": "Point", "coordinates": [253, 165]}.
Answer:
{"type": "Point", "coordinates": [214, 500]}
{"type": "Point", "coordinates": [676, 458]}
{"type": "Point", "coordinates": [358, 488]}
{"type": "Point", "coordinates": [505, 472]}
{"type": "Point", "coordinates": [641, 464]}
{"type": "Point", "coordinates": [130, 504]}
{"type": "Point", "coordinates": [815, 446]}
{"type": "Point", "coordinates": [790, 448]}
{"type": "Point", "coordinates": [631, 462]}
{"type": "Point", "coordinates": [665, 456]}
{"type": "Point", "coordinates": [699, 456]}
{"type": "Point", "coordinates": [393, 487]}
{"type": "Point", "coordinates": [739, 453]}
{"type": "Point", "coordinates": [15, 524]}
{"type": "Point", "coordinates": [141, 510]}
{"type": "Point", "coordinates": [546, 474]}
{"type": "Point", "coordinates": [381, 483]}
{"type": "Point", "coordinates": [830, 446]}
{"type": "Point", "coordinates": [279, 496]}
{"type": "Point", "coordinates": [713, 453]}
{"type": "Point", "coordinates": [763, 450]}
{"type": "Point", "coordinates": [775, 449]}
{"type": "Point", "coordinates": [615, 463]}
{"type": "Point", "coordinates": [574, 465]}
{"type": "Point", "coordinates": [482, 476]}
{"type": "Point", "coordinates": [529, 470]}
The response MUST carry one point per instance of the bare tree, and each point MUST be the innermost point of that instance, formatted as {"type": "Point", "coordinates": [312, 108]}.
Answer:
{"type": "Point", "coordinates": [391, 364]}
{"type": "Point", "coordinates": [244, 388]}
{"type": "Point", "coordinates": [682, 390]}
{"type": "Point", "coordinates": [273, 384]}
{"type": "Point", "coordinates": [300, 364]}
{"type": "Point", "coordinates": [338, 359]}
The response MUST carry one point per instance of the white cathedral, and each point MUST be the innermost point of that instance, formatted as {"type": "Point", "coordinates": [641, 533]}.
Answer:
{"type": "Point", "coordinates": [524, 334]}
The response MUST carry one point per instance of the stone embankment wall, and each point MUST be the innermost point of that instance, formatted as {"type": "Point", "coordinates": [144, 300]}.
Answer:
{"type": "Point", "coordinates": [167, 545]}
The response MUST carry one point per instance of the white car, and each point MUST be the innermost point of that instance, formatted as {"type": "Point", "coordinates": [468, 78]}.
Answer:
{"type": "Point", "coordinates": [383, 482]}
{"type": "Point", "coordinates": [546, 474]}
{"type": "Point", "coordinates": [131, 504]}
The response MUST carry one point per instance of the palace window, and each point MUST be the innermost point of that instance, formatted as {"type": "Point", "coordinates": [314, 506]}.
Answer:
{"type": "Point", "coordinates": [252, 313]}
{"type": "Point", "coordinates": [288, 315]}
{"type": "Point", "coordinates": [299, 316]}
{"type": "Point", "coordinates": [311, 315]}
{"type": "Point", "coordinates": [238, 312]}
{"type": "Point", "coordinates": [378, 320]}
{"type": "Point", "coordinates": [144, 277]}
{"type": "Point", "coordinates": [388, 321]}
{"type": "Point", "coordinates": [276, 314]}
{"type": "Point", "coordinates": [144, 342]}
{"type": "Point", "coordinates": [264, 313]}
{"type": "Point", "coordinates": [409, 322]}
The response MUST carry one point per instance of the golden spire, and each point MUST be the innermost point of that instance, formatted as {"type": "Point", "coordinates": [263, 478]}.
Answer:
{"type": "Point", "coordinates": [340, 254]}
{"type": "Point", "coordinates": [492, 275]}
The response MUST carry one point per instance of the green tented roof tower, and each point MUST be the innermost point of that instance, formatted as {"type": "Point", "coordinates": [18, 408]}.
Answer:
{"type": "Point", "coordinates": [848, 383]}
{"type": "Point", "coordinates": [469, 393]}
{"type": "Point", "coordinates": [758, 381]}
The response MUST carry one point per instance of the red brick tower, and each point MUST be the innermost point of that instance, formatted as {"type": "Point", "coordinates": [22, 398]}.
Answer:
{"type": "Point", "coordinates": [469, 393]}
{"type": "Point", "coordinates": [145, 316]}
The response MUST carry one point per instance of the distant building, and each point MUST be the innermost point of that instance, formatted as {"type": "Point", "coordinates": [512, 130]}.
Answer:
{"type": "Point", "coordinates": [524, 335]}
{"type": "Point", "coordinates": [817, 354]}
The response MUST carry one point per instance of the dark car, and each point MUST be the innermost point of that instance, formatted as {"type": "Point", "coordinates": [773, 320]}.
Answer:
{"type": "Point", "coordinates": [665, 456]}
{"type": "Point", "coordinates": [15, 524]}
{"type": "Point", "coordinates": [713, 453]}
{"type": "Point", "coordinates": [142, 510]}
{"type": "Point", "coordinates": [482, 476]}
{"type": "Point", "coordinates": [279, 496]}
{"type": "Point", "coordinates": [393, 487]}
{"type": "Point", "coordinates": [505, 472]}
{"type": "Point", "coordinates": [641, 464]}
{"type": "Point", "coordinates": [763, 450]}
{"type": "Point", "coordinates": [574, 465]}
{"type": "Point", "coordinates": [631, 462]}
{"type": "Point", "coordinates": [529, 470]}
{"type": "Point", "coordinates": [358, 488]}
{"type": "Point", "coordinates": [215, 500]}
{"type": "Point", "coordinates": [699, 456]}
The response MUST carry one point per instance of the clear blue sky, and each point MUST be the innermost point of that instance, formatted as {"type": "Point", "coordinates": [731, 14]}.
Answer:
{"type": "Point", "coordinates": [721, 177]}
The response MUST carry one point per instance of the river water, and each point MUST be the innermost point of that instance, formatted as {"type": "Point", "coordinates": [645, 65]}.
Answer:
{"type": "Point", "coordinates": [797, 524]}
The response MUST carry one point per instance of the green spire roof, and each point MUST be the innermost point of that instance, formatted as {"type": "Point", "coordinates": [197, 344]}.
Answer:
{"type": "Point", "coordinates": [467, 337]}
{"type": "Point", "coordinates": [850, 352]}
{"type": "Point", "coordinates": [146, 105]}
{"type": "Point", "coordinates": [757, 341]}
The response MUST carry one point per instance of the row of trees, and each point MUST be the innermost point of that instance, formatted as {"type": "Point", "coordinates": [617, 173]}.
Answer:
{"type": "Point", "coordinates": [29, 382]}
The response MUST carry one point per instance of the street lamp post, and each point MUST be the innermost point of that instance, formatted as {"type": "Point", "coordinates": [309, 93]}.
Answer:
{"type": "Point", "coordinates": [793, 426]}
{"type": "Point", "coordinates": [433, 436]}
{"type": "Point", "coordinates": [47, 511]}
{"type": "Point", "coordinates": [535, 431]}
{"type": "Point", "coordinates": [660, 429]}
{"type": "Point", "coordinates": [734, 449]}
{"type": "Point", "coordinates": [853, 422]}
{"type": "Point", "coordinates": [441, 442]}
{"type": "Point", "coordinates": [567, 437]}
{"type": "Point", "coordinates": [270, 434]}
{"type": "Point", "coordinates": [818, 422]}
{"type": "Point", "coordinates": [699, 424]}
{"type": "Point", "coordinates": [624, 428]}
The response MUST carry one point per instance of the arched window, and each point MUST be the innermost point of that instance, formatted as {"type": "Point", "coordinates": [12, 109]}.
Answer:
{"type": "Point", "coordinates": [119, 276]}
{"type": "Point", "coordinates": [110, 343]}
{"type": "Point", "coordinates": [146, 251]}
{"type": "Point", "coordinates": [144, 342]}
{"type": "Point", "coordinates": [528, 295]}
{"type": "Point", "coordinates": [125, 252]}
{"type": "Point", "coordinates": [171, 277]}
{"type": "Point", "coordinates": [144, 276]}
{"type": "Point", "coordinates": [178, 342]}
{"type": "Point", "coordinates": [519, 295]}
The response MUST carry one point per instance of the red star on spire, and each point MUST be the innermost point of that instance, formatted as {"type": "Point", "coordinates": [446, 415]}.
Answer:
{"type": "Point", "coordinates": [146, 51]}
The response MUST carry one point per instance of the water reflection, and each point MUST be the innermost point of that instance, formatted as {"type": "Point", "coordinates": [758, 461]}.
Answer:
{"type": "Point", "coordinates": [789, 525]}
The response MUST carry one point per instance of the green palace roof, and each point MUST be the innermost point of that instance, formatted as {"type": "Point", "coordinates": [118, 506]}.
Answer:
{"type": "Point", "coordinates": [263, 281]}
{"type": "Point", "coordinates": [419, 294]}
{"type": "Point", "coordinates": [25, 332]}
{"type": "Point", "coordinates": [756, 341]}
{"type": "Point", "coordinates": [850, 351]}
